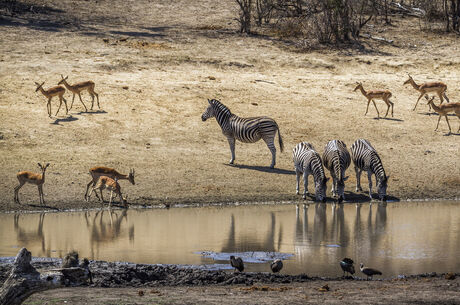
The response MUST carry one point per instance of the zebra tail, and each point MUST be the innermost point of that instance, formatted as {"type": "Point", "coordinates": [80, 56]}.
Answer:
{"type": "Point", "coordinates": [280, 140]}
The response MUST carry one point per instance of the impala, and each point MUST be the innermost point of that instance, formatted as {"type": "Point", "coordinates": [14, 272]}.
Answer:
{"type": "Point", "coordinates": [79, 87]}
{"type": "Point", "coordinates": [53, 91]}
{"type": "Point", "coordinates": [383, 95]}
{"type": "Point", "coordinates": [443, 110]}
{"type": "Point", "coordinates": [32, 178]}
{"type": "Point", "coordinates": [110, 184]}
{"type": "Point", "coordinates": [99, 171]}
{"type": "Point", "coordinates": [438, 87]}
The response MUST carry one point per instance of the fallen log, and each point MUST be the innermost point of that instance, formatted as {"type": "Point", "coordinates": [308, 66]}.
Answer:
{"type": "Point", "coordinates": [24, 280]}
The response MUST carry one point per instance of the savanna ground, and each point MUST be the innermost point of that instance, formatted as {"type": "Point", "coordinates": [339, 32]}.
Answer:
{"type": "Point", "coordinates": [155, 64]}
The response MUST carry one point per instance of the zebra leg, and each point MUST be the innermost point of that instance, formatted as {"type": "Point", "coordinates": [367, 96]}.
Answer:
{"type": "Point", "coordinates": [358, 179]}
{"type": "Point", "coordinates": [334, 185]}
{"type": "Point", "coordinates": [297, 173]}
{"type": "Point", "coordinates": [369, 177]}
{"type": "Point", "coordinates": [305, 185]}
{"type": "Point", "coordinates": [271, 145]}
{"type": "Point", "coordinates": [231, 142]}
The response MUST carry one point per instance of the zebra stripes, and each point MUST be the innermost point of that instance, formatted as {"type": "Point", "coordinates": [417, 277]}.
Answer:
{"type": "Point", "coordinates": [336, 159]}
{"type": "Point", "coordinates": [365, 158]}
{"type": "Point", "coordinates": [307, 161]}
{"type": "Point", "coordinates": [246, 130]}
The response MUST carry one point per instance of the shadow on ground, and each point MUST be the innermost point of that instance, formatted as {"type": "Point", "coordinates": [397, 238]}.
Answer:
{"type": "Point", "coordinates": [264, 169]}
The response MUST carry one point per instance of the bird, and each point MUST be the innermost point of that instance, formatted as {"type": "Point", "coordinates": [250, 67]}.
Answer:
{"type": "Point", "coordinates": [276, 265]}
{"type": "Point", "coordinates": [369, 271]}
{"type": "Point", "coordinates": [347, 266]}
{"type": "Point", "coordinates": [237, 263]}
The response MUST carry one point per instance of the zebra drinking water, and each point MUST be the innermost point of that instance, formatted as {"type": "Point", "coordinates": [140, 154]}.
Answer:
{"type": "Point", "coordinates": [307, 161]}
{"type": "Point", "coordinates": [365, 158]}
{"type": "Point", "coordinates": [336, 159]}
{"type": "Point", "coordinates": [246, 130]}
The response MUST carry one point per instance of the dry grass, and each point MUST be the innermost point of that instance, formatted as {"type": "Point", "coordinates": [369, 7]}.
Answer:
{"type": "Point", "coordinates": [154, 73]}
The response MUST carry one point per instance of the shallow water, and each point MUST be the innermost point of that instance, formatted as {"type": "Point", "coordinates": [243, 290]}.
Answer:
{"type": "Point", "coordinates": [399, 238]}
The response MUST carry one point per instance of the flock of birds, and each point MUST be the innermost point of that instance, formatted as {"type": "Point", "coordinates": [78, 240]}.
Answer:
{"type": "Point", "coordinates": [346, 264]}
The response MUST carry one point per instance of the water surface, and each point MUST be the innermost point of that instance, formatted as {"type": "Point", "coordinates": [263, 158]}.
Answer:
{"type": "Point", "coordinates": [399, 238]}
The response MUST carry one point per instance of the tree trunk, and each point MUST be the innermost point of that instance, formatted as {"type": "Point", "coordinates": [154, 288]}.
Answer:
{"type": "Point", "coordinates": [446, 11]}
{"type": "Point", "coordinates": [24, 280]}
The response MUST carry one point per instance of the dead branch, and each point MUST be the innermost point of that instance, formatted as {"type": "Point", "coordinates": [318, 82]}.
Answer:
{"type": "Point", "coordinates": [24, 280]}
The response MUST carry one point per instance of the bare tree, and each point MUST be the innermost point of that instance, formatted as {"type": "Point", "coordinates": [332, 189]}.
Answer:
{"type": "Point", "coordinates": [245, 15]}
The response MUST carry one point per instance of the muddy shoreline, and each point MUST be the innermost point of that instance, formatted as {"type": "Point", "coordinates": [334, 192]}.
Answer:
{"type": "Point", "coordinates": [124, 274]}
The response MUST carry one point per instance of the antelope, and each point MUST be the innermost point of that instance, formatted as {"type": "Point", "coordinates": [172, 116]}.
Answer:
{"type": "Point", "coordinates": [383, 95]}
{"type": "Point", "coordinates": [77, 88]}
{"type": "Point", "coordinates": [110, 184]}
{"type": "Point", "coordinates": [53, 91]}
{"type": "Point", "coordinates": [32, 178]}
{"type": "Point", "coordinates": [443, 110]}
{"type": "Point", "coordinates": [438, 87]}
{"type": "Point", "coordinates": [99, 171]}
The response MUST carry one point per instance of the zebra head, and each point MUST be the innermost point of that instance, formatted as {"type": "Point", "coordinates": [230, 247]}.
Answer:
{"type": "Point", "coordinates": [382, 187]}
{"type": "Point", "coordinates": [341, 188]}
{"type": "Point", "coordinates": [209, 112]}
{"type": "Point", "coordinates": [320, 189]}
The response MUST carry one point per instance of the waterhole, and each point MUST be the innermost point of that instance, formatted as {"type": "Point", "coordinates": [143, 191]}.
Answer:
{"type": "Point", "coordinates": [396, 238]}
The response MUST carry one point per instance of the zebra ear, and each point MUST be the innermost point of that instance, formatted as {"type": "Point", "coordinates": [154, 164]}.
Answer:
{"type": "Point", "coordinates": [209, 101]}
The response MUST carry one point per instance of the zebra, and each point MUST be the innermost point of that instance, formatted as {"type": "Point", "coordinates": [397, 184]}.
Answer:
{"type": "Point", "coordinates": [336, 159]}
{"type": "Point", "coordinates": [307, 161]}
{"type": "Point", "coordinates": [246, 130]}
{"type": "Point", "coordinates": [365, 158]}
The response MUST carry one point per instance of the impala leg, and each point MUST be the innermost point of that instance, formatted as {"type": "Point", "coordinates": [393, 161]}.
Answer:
{"type": "Point", "coordinates": [271, 146]}
{"type": "Point", "coordinates": [367, 108]}
{"type": "Point", "coordinates": [92, 100]}
{"type": "Point", "coordinates": [392, 104]}
{"type": "Point", "coordinates": [378, 114]}
{"type": "Point", "coordinates": [89, 195]}
{"type": "Point", "coordinates": [48, 107]}
{"type": "Point", "coordinates": [60, 104]}
{"type": "Point", "coordinates": [65, 103]}
{"type": "Point", "coordinates": [16, 192]}
{"type": "Point", "coordinates": [388, 108]}
{"type": "Point", "coordinates": [87, 188]}
{"type": "Point", "coordinates": [418, 100]}
{"type": "Point", "coordinates": [40, 194]}
{"type": "Point", "coordinates": [440, 97]}
{"type": "Point", "coordinates": [445, 96]}
{"type": "Point", "coordinates": [79, 95]}
{"type": "Point", "coordinates": [447, 120]}
{"type": "Point", "coordinates": [110, 200]}
{"type": "Point", "coordinates": [369, 177]}
{"type": "Point", "coordinates": [439, 119]}
{"type": "Point", "coordinates": [97, 96]}
{"type": "Point", "coordinates": [102, 197]}
{"type": "Point", "coordinates": [231, 142]}
{"type": "Point", "coordinates": [73, 98]}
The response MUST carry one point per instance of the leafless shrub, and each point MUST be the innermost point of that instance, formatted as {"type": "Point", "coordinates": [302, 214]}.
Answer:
{"type": "Point", "coordinates": [245, 15]}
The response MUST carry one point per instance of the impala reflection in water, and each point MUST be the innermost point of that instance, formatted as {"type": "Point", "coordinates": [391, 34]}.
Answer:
{"type": "Point", "coordinates": [398, 238]}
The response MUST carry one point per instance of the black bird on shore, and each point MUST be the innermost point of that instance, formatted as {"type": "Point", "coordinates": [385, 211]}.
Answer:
{"type": "Point", "coordinates": [369, 271]}
{"type": "Point", "coordinates": [347, 266]}
{"type": "Point", "coordinates": [276, 265]}
{"type": "Point", "coordinates": [237, 263]}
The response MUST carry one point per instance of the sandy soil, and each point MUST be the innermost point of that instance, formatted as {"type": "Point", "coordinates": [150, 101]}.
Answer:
{"type": "Point", "coordinates": [154, 73]}
{"type": "Point", "coordinates": [414, 291]}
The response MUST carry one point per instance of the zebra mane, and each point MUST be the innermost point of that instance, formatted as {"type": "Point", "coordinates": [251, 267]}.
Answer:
{"type": "Point", "coordinates": [219, 107]}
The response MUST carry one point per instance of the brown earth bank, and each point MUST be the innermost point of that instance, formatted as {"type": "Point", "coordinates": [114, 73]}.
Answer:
{"type": "Point", "coordinates": [155, 64]}
{"type": "Point", "coordinates": [121, 283]}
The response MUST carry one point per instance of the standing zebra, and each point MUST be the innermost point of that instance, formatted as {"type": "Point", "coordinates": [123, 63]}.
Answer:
{"type": "Point", "coordinates": [336, 159]}
{"type": "Point", "coordinates": [365, 158]}
{"type": "Point", "coordinates": [307, 161]}
{"type": "Point", "coordinates": [247, 130]}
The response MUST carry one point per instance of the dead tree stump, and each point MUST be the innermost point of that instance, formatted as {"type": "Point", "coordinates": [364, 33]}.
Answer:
{"type": "Point", "coordinates": [24, 280]}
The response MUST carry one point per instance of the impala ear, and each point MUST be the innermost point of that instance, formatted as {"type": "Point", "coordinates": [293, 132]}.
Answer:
{"type": "Point", "coordinates": [62, 76]}
{"type": "Point", "coordinates": [39, 165]}
{"type": "Point", "coordinates": [47, 164]}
